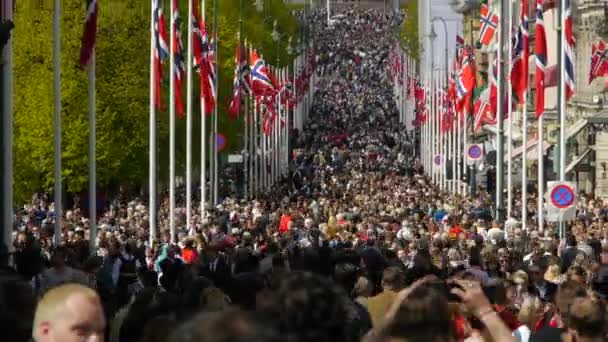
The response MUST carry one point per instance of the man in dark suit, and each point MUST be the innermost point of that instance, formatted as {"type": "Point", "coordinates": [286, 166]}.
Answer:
{"type": "Point", "coordinates": [539, 286]}
{"type": "Point", "coordinates": [215, 267]}
{"type": "Point", "coordinates": [568, 254]}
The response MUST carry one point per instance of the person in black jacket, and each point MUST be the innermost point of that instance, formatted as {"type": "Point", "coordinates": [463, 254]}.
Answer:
{"type": "Point", "coordinates": [568, 254]}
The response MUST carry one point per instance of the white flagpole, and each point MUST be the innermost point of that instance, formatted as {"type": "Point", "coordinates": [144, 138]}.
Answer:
{"type": "Point", "coordinates": [445, 138]}
{"type": "Point", "coordinates": [92, 157]}
{"type": "Point", "coordinates": [252, 145]}
{"type": "Point", "coordinates": [57, 121]}
{"type": "Point", "coordinates": [247, 156]}
{"type": "Point", "coordinates": [275, 129]}
{"type": "Point", "coordinates": [328, 13]}
{"type": "Point", "coordinates": [429, 129]}
{"type": "Point", "coordinates": [562, 97]}
{"type": "Point", "coordinates": [541, 172]}
{"type": "Point", "coordinates": [465, 141]}
{"type": "Point", "coordinates": [217, 97]}
{"type": "Point", "coordinates": [152, 139]}
{"type": "Point", "coordinates": [7, 134]}
{"type": "Point", "coordinates": [524, 164]}
{"type": "Point", "coordinates": [510, 113]}
{"type": "Point", "coordinates": [459, 150]}
{"type": "Point", "coordinates": [290, 119]}
{"type": "Point", "coordinates": [203, 139]}
{"type": "Point", "coordinates": [189, 124]}
{"type": "Point", "coordinates": [256, 149]}
{"type": "Point", "coordinates": [172, 126]}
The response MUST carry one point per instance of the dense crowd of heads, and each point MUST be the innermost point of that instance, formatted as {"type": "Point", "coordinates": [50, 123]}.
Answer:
{"type": "Point", "coordinates": [355, 244]}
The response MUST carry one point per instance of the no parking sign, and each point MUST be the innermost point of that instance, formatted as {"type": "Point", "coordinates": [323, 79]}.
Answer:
{"type": "Point", "coordinates": [561, 200]}
{"type": "Point", "coordinates": [474, 152]}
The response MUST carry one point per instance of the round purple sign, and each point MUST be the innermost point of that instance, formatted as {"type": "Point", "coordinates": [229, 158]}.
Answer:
{"type": "Point", "coordinates": [220, 142]}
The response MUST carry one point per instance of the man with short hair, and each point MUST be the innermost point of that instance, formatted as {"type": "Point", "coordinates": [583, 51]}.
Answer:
{"type": "Point", "coordinates": [67, 313]}
{"type": "Point", "coordinates": [393, 280]}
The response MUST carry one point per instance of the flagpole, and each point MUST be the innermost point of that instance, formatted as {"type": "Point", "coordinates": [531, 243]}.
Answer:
{"type": "Point", "coordinates": [57, 121]}
{"type": "Point", "coordinates": [442, 134]}
{"type": "Point", "coordinates": [241, 51]}
{"type": "Point", "coordinates": [524, 163]}
{"type": "Point", "coordinates": [562, 45]}
{"type": "Point", "coordinates": [541, 172]}
{"type": "Point", "coordinates": [427, 99]}
{"type": "Point", "coordinates": [7, 136]}
{"type": "Point", "coordinates": [215, 116]}
{"type": "Point", "coordinates": [433, 136]}
{"type": "Point", "coordinates": [152, 137]}
{"type": "Point", "coordinates": [203, 135]}
{"type": "Point", "coordinates": [465, 141]}
{"type": "Point", "coordinates": [502, 34]}
{"type": "Point", "coordinates": [172, 126]}
{"type": "Point", "coordinates": [252, 146]}
{"type": "Point", "coordinates": [92, 156]}
{"type": "Point", "coordinates": [189, 124]}
{"type": "Point", "coordinates": [509, 66]}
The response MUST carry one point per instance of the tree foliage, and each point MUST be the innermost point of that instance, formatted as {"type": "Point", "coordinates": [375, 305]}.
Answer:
{"type": "Point", "coordinates": [409, 29]}
{"type": "Point", "coordinates": [122, 84]}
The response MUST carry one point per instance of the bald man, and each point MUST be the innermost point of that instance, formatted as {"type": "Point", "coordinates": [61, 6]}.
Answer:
{"type": "Point", "coordinates": [69, 313]}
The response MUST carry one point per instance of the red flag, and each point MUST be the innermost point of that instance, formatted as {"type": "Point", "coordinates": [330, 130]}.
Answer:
{"type": "Point", "coordinates": [541, 59]}
{"type": "Point", "coordinates": [178, 59]}
{"type": "Point", "coordinates": [161, 51]}
{"type": "Point", "coordinates": [467, 82]}
{"type": "Point", "coordinates": [90, 32]}
{"type": "Point", "coordinates": [488, 24]}
{"type": "Point", "coordinates": [521, 53]}
{"type": "Point", "coordinates": [483, 112]}
{"type": "Point", "coordinates": [599, 61]}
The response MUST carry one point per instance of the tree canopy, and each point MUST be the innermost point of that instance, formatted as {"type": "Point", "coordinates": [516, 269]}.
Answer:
{"type": "Point", "coordinates": [122, 84]}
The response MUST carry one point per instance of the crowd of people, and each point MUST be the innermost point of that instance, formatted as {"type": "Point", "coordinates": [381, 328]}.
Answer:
{"type": "Point", "coordinates": [355, 245]}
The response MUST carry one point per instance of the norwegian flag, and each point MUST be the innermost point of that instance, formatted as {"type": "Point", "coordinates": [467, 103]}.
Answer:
{"type": "Point", "coordinates": [459, 46]}
{"type": "Point", "coordinates": [90, 32]}
{"type": "Point", "coordinates": [420, 98]}
{"type": "Point", "coordinates": [541, 59]}
{"type": "Point", "coordinates": [521, 53]}
{"type": "Point", "coordinates": [483, 112]}
{"type": "Point", "coordinates": [466, 81]}
{"type": "Point", "coordinates": [599, 61]}
{"type": "Point", "coordinates": [447, 117]}
{"type": "Point", "coordinates": [569, 50]}
{"type": "Point", "coordinates": [489, 24]}
{"type": "Point", "coordinates": [201, 52]}
{"type": "Point", "coordinates": [161, 50]}
{"type": "Point", "coordinates": [494, 87]}
{"type": "Point", "coordinates": [239, 85]}
{"type": "Point", "coordinates": [260, 78]}
{"type": "Point", "coordinates": [178, 59]}
{"type": "Point", "coordinates": [268, 109]}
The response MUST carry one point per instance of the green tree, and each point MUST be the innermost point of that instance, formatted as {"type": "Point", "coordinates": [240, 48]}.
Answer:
{"type": "Point", "coordinates": [409, 29]}
{"type": "Point", "coordinates": [122, 90]}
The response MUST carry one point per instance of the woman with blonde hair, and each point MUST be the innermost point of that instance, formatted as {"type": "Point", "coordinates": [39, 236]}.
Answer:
{"type": "Point", "coordinates": [530, 312]}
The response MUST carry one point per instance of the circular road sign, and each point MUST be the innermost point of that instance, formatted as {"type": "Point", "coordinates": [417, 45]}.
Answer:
{"type": "Point", "coordinates": [437, 160]}
{"type": "Point", "coordinates": [474, 152]}
{"type": "Point", "coordinates": [220, 142]}
{"type": "Point", "coordinates": [562, 196]}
